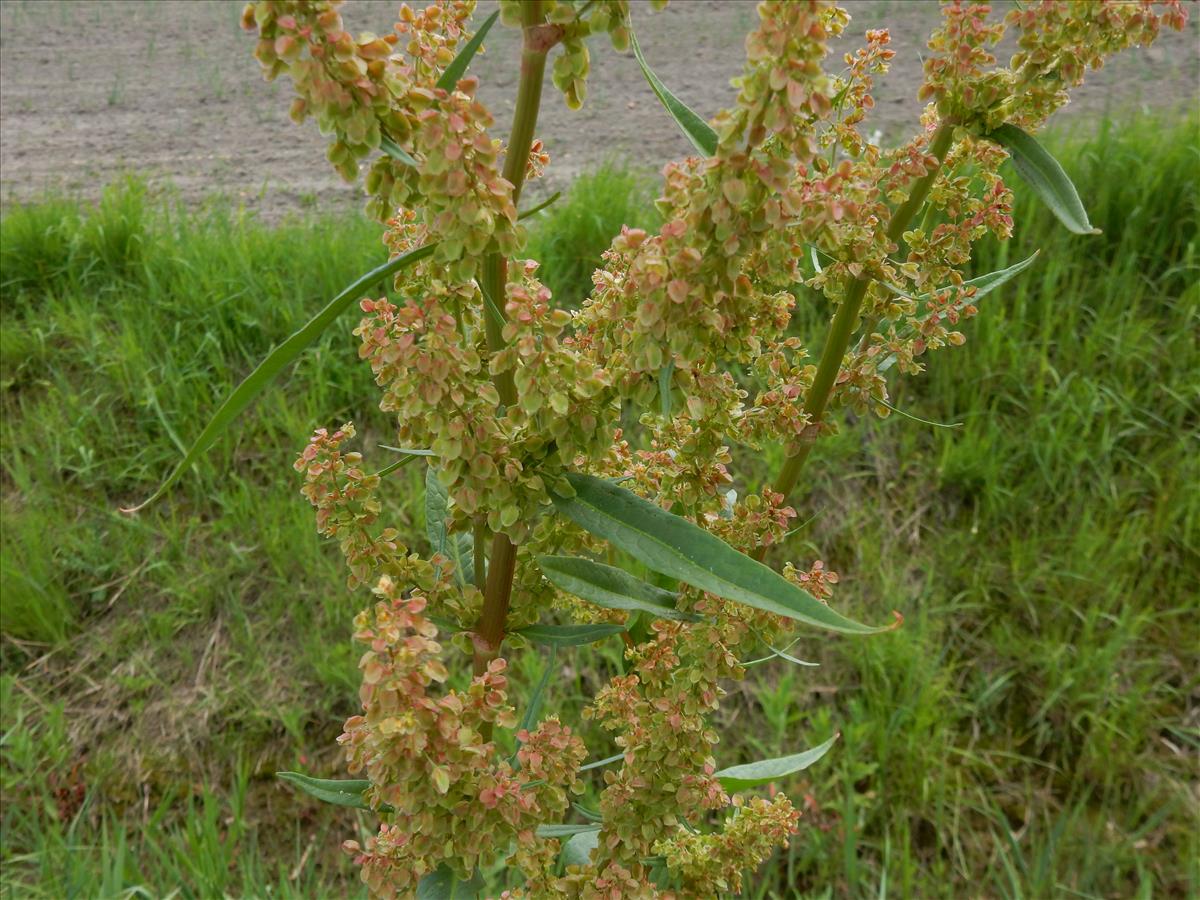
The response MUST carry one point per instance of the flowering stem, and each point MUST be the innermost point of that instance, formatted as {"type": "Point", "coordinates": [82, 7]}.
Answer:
{"type": "Point", "coordinates": [846, 319]}
{"type": "Point", "coordinates": [539, 38]}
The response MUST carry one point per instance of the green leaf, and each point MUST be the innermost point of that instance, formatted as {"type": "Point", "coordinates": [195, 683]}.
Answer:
{"type": "Point", "coordinates": [610, 587]}
{"type": "Point", "coordinates": [568, 635]}
{"type": "Point", "coordinates": [694, 128]}
{"type": "Point", "coordinates": [340, 793]}
{"type": "Point", "coordinates": [455, 71]}
{"type": "Point", "coordinates": [407, 457]}
{"type": "Point", "coordinates": [458, 548]}
{"type": "Point", "coordinates": [1045, 176]}
{"type": "Point", "coordinates": [665, 375]}
{"type": "Point", "coordinates": [534, 709]}
{"type": "Point", "coordinates": [577, 850]}
{"type": "Point", "coordinates": [558, 831]}
{"type": "Point", "coordinates": [257, 381]}
{"type": "Point", "coordinates": [738, 778]}
{"type": "Point", "coordinates": [673, 546]}
{"type": "Point", "coordinates": [607, 761]}
{"type": "Point", "coordinates": [443, 884]}
{"type": "Point", "coordinates": [983, 284]}
{"type": "Point", "coordinates": [395, 151]}
{"type": "Point", "coordinates": [533, 211]}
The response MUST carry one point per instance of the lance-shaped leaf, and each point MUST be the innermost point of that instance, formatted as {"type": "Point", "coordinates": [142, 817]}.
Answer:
{"type": "Point", "coordinates": [983, 284]}
{"type": "Point", "coordinates": [458, 548]}
{"type": "Point", "coordinates": [739, 778]}
{"type": "Point", "coordinates": [610, 587]}
{"type": "Point", "coordinates": [443, 884]}
{"type": "Point", "coordinates": [568, 635]}
{"type": "Point", "coordinates": [675, 547]}
{"type": "Point", "coordinates": [341, 793]}
{"type": "Point", "coordinates": [395, 151]}
{"type": "Point", "coordinates": [257, 381]}
{"type": "Point", "coordinates": [694, 128]}
{"type": "Point", "coordinates": [1045, 176]}
{"type": "Point", "coordinates": [458, 67]}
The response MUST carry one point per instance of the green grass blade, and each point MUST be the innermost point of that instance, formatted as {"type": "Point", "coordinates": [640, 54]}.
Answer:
{"type": "Point", "coordinates": [610, 587]}
{"type": "Point", "coordinates": [755, 774]}
{"type": "Point", "coordinates": [1045, 176]}
{"type": "Point", "coordinates": [694, 128]}
{"type": "Point", "coordinates": [340, 793]}
{"type": "Point", "coordinates": [673, 546]}
{"type": "Point", "coordinates": [458, 67]}
{"type": "Point", "coordinates": [568, 635]}
{"type": "Point", "coordinates": [257, 381]}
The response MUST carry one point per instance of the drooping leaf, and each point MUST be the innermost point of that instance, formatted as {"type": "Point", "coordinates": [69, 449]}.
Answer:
{"type": "Point", "coordinates": [739, 778]}
{"type": "Point", "coordinates": [458, 548]}
{"type": "Point", "coordinates": [694, 128]}
{"type": "Point", "coordinates": [568, 635]}
{"type": "Point", "coordinates": [577, 849]}
{"type": "Point", "coordinates": [610, 587]}
{"type": "Point", "coordinates": [458, 67]}
{"type": "Point", "coordinates": [257, 381]}
{"type": "Point", "coordinates": [341, 793]}
{"type": "Point", "coordinates": [1045, 176]}
{"type": "Point", "coordinates": [673, 546]}
{"type": "Point", "coordinates": [558, 831]}
{"type": "Point", "coordinates": [443, 884]}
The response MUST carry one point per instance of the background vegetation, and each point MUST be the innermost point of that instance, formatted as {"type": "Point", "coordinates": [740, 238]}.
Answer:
{"type": "Point", "coordinates": [1032, 731]}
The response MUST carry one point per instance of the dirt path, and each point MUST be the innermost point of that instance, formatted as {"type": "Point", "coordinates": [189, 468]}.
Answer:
{"type": "Point", "coordinates": [169, 90]}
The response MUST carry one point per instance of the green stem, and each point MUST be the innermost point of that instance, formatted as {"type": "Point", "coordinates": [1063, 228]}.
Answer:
{"type": "Point", "coordinates": [539, 38]}
{"type": "Point", "coordinates": [844, 322]}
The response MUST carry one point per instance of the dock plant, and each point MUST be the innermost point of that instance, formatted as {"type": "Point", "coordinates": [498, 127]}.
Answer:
{"type": "Point", "coordinates": [580, 463]}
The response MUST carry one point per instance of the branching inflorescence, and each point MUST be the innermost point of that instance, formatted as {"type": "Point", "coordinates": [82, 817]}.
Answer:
{"type": "Point", "coordinates": [518, 404]}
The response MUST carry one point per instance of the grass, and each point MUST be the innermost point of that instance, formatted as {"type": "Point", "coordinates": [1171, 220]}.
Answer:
{"type": "Point", "coordinates": [1029, 733]}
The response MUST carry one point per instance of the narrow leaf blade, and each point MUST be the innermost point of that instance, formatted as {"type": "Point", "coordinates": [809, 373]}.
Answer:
{"type": "Point", "coordinates": [569, 635]}
{"type": "Point", "coordinates": [256, 382]}
{"type": "Point", "coordinates": [395, 151]}
{"type": "Point", "coordinates": [340, 793]}
{"type": "Point", "coordinates": [610, 587]}
{"type": "Point", "coordinates": [458, 67]}
{"type": "Point", "coordinates": [458, 548]}
{"type": "Point", "coordinates": [739, 778]}
{"type": "Point", "coordinates": [694, 128]}
{"type": "Point", "coordinates": [1045, 176]}
{"type": "Point", "coordinates": [675, 547]}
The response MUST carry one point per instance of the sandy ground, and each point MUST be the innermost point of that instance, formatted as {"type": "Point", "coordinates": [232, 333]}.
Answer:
{"type": "Point", "coordinates": [90, 89]}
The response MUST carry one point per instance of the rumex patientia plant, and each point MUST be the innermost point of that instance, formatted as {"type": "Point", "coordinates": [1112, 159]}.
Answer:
{"type": "Point", "coordinates": [555, 515]}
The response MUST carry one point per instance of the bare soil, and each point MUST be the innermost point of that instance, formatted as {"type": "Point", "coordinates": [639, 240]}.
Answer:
{"type": "Point", "coordinates": [169, 90]}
